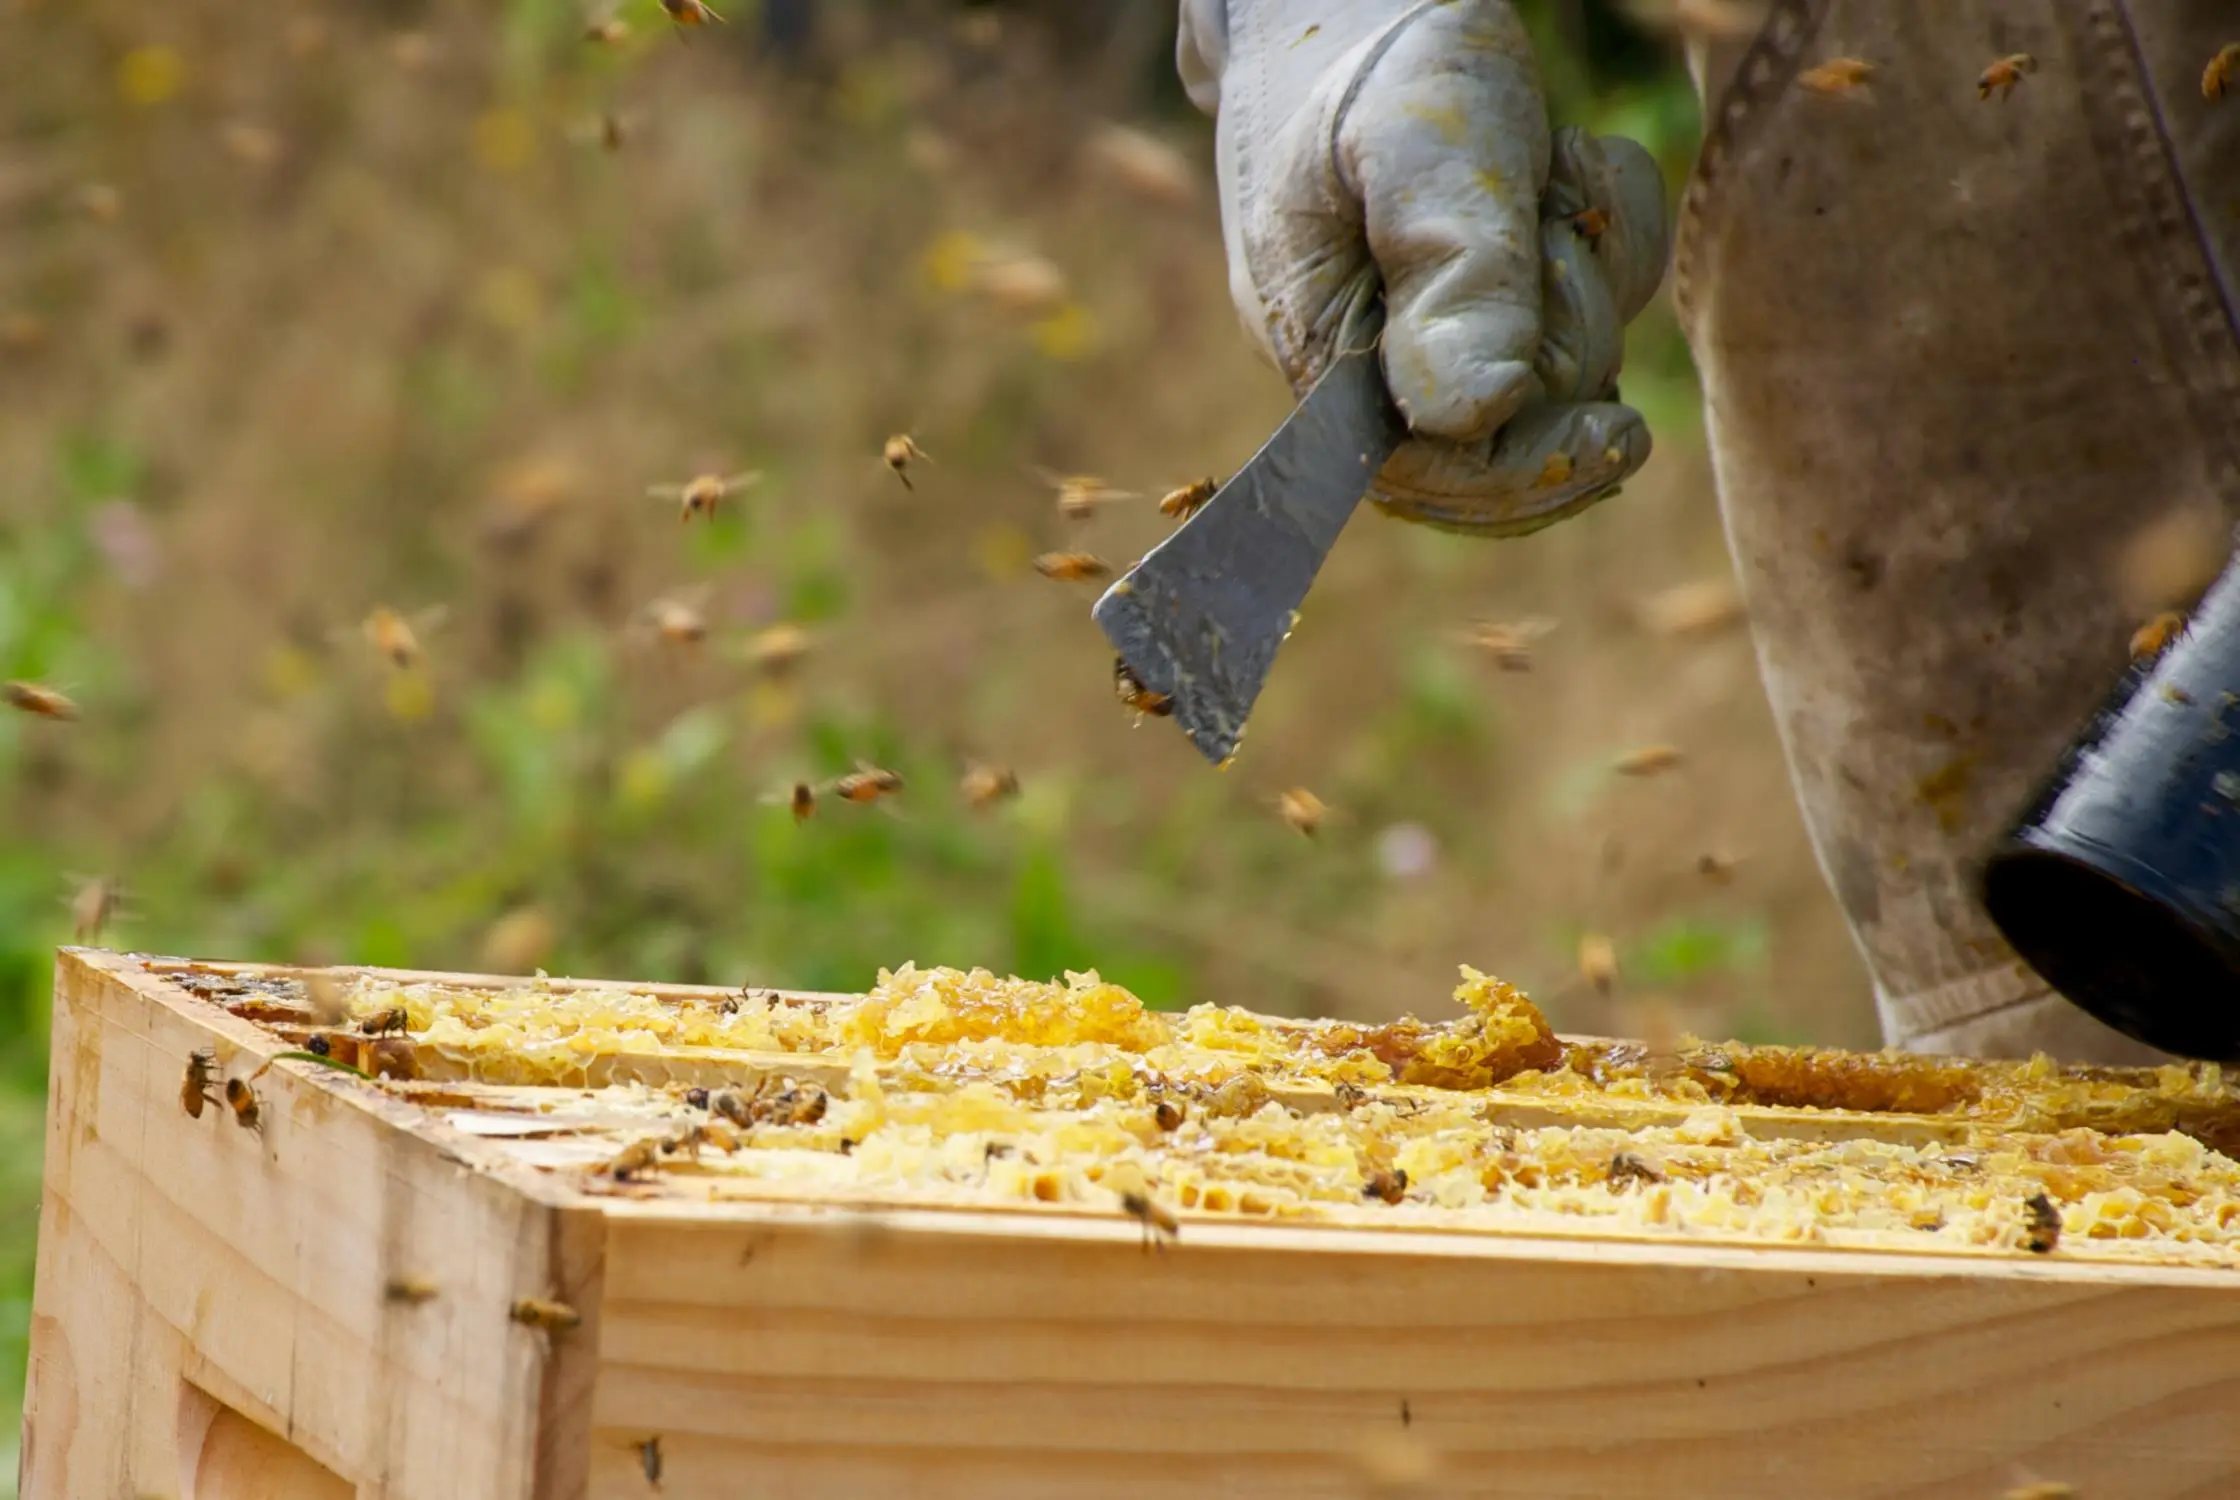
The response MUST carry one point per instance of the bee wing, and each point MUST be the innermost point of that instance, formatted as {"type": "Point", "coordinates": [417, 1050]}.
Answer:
{"type": "Point", "coordinates": [665, 492]}
{"type": "Point", "coordinates": [741, 480]}
{"type": "Point", "coordinates": [430, 619]}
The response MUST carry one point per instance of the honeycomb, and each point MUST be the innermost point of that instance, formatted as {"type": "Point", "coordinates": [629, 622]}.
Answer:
{"type": "Point", "coordinates": [964, 1089]}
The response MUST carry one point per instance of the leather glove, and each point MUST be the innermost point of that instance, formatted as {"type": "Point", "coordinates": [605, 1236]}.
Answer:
{"type": "Point", "coordinates": [1405, 143]}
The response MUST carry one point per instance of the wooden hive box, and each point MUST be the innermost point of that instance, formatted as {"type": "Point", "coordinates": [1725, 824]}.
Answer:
{"type": "Point", "coordinates": [325, 1305]}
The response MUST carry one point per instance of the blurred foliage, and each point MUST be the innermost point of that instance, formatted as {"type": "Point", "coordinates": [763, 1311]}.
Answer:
{"type": "Point", "coordinates": [379, 321]}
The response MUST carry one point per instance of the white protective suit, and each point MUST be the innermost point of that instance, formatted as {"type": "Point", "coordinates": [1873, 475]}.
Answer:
{"type": "Point", "coordinates": [1957, 353]}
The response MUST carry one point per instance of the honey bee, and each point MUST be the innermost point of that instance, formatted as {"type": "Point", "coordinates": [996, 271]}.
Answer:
{"type": "Point", "coordinates": [866, 783]}
{"type": "Point", "coordinates": [22, 332]}
{"type": "Point", "coordinates": [1696, 608]}
{"type": "Point", "coordinates": [1837, 76]}
{"type": "Point", "coordinates": [1649, 760]}
{"type": "Point", "coordinates": [409, 1290]}
{"type": "Point", "coordinates": [610, 32]}
{"type": "Point", "coordinates": [46, 702]}
{"type": "Point", "coordinates": [395, 1021]}
{"type": "Point", "coordinates": [252, 145]}
{"type": "Point", "coordinates": [1144, 165]}
{"type": "Point", "coordinates": [690, 13]}
{"type": "Point", "coordinates": [1127, 1180]}
{"type": "Point", "coordinates": [1079, 495]}
{"type": "Point", "coordinates": [1598, 961]}
{"type": "Point", "coordinates": [1716, 868]}
{"type": "Point", "coordinates": [1072, 567]}
{"type": "Point", "coordinates": [92, 907]}
{"type": "Point", "coordinates": [1388, 1183]}
{"type": "Point", "coordinates": [691, 1138]}
{"type": "Point", "coordinates": [985, 786]}
{"type": "Point", "coordinates": [802, 800]}
{"type": "Point", "coordinates": [2041, 1225]}
{"type": "Point", "coordinates": [1509, 645]}
{"type": "Point", "coordinates": [2003, 75]}
{"type": "Point", "coordinates": [898, 453]}
{"type": "Point", "coordinates": [1303, 810]}
{"type": "Point", "coordinates": [2216, 79]}
{"type": "Point", "coordinates": [1591, 224]}
{"type": "Point", "coordinates": [638, 1156]}
{"type": "Point", "coordinates": [329, 1007]}
{"type": "Point", "coordinates": [1184, 501]}
{"type": "Point", "coordinates": [242, 1100]}
{"type": "Point", "coordinates": [676, 620]}
{"type": "Point", "coordinates": [2152, 638]}
{"type": "Point", "coordinates": [202, 1065]}
{"type": "Point", "coordinates": [100, 202]}
{"type": "Point", "coordinates": [649, 1460]}
{"type": "Point", "coordinates": [552, 1317]}
{"type": "Point", "coordinates": [1167, 1115]}
{"type": "Point", "coordinates": [1135, 695]}
{"type": "Point", "coordinates": [701, 494]}
{"type": "Point", "coordinates": [778, 649]}
{"type": "Point", "coordinates": [609, 131]}
{"type": "Point", "coordinates": [395, 639]}
{"type": "Point", "coordinates": [1632, 1166]}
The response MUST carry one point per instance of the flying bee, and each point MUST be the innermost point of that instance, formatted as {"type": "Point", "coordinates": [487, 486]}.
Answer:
{"type": "Point", "coordinates": [100, 202]}
{"type": "Point", "coordinates": [1716, 868]}
{"type": "Point", "coordinates": [1072, 567]}
{"type": "Point", "coordinates": [94, 903]}
{"type": "Point", "coordinates": [552, 1317]}
{"type": "Point", "coordinates": [242, 1100]}
{"type": "Point", "coordinates": [409, 1290]}
{"type": "Point", "coordinates": [1135, 695]}
{"type": "Point", "coordinates": [690, 13]}
{"type": "Point", "coordinates": [395, 1021]}
{"type": "Point", "coordinates": [610, 32]}
{"type": "Point", "coordinates": [801, 799]}
{"type": "Point", "coordinates": [2003, 75]}
{"type": "Point", "coordinates": [898, 453]}
{"type": "Point", "coordinates": [202, 1066]}
{"type": "Point", "coordinates": [777, 649]}
{"type": "Point", "coordinates": [1837, 76]}
{"type": "Point", "coordinates": [2216, 79]}
{"type": "Point", "coordinates": [701, 494]}
{"type": "Point", "coordinates": [396, 639]}
{"type": "Point", "coordinates": [677, 618]}
{"type": "Point", "coordinates": [1184, 501]}
{"type": "Point", "coordinates": [329, 1006]}
{"type": "Point", "coordinates": [1649, 760]}
{"type": "Point", "coordinates": [2041, 1233]}
{"type": "Point", "coordinates": [1387, 1183]}
{"type": "Point", "coordinates": [1509, 645]}
{"type": "Point", "coordinates": [1598, 961]}
{"type": "Point", "coordinates": [1696, 608]}
{"type": "Point", "coordinates": [607, 130]}
{"type": "Point", "coordinates": [866, 783]}
{"type": "Point", "coordinates": [32, 698]}
{"type": "Point", "coordinates": [2153, 637]}
{"type": "Point", "coordinates": [1127, 1180]}
{"type": "Point", "coordinates": [1302, 810]}
{"type": "Point", "coordinates": [984, 786]}
{"type": "Point", "coordinates": [1079, 495]}
{"type": "Point", "coordinates": [649, 1460]}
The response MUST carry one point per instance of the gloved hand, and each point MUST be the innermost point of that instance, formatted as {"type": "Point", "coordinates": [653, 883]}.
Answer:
{"type": "Point", "coordinates": [1406, 142]}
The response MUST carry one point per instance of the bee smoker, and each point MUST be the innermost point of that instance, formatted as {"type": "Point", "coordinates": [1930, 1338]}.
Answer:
{"type": "Point", "coordinates": [2120, 883]}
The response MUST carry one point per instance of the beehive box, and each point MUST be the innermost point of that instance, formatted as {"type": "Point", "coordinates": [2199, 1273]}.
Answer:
{"type": "Point", "coordinates": [917, 1243]}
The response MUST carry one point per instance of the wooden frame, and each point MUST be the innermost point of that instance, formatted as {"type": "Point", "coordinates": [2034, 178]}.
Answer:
{"type": "Point", "coordinates": [226, 1312]}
